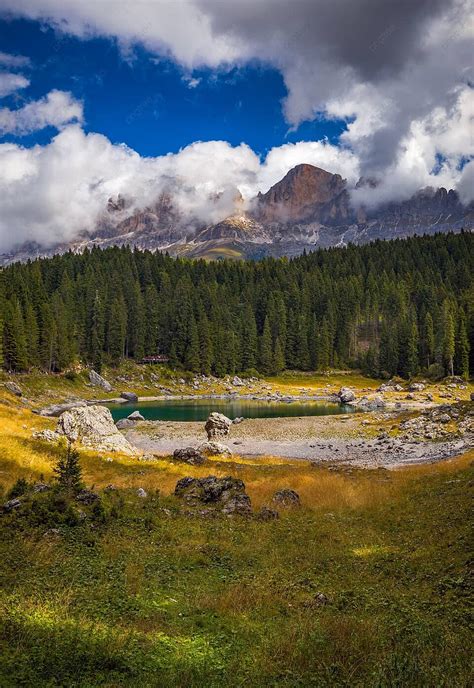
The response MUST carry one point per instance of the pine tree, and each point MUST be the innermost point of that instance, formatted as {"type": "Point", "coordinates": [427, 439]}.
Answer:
{"type": "Point", "coordinates": [191, 358]}
{"type": "Point", "coordinates": [462, 347]}
{"type": "Point", "coordinates": [14, 342]}
{"type": "Point", "coordinates": [97, 333]}
{"type": "Point", "coordinates": [205, 345]}
{"type": "Point", "coordinates": [265, 354]}
{"type": "Point", "coordinates": [428, 340]}
{"type": "Point", "coordinates": [249, 339]}
{"type": "Point", "coordinates": [448, 339]}
{"type": "Point", "coordinates": [152, 319]}
{"type": "Point", "coordinates": [324, 349]}
{"type": "Point", "coordinates": [117, 329]}
{"type": "Point", "coordinates": [278, 364]}
{"type": "Point", "coordinates": [68, 470]}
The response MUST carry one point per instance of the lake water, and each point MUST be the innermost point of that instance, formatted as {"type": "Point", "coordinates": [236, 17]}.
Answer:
{"type": "Point", "coordinates": [199, 409]}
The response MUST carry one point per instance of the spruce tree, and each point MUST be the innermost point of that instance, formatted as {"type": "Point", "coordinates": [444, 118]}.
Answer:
{"type": "Point", "coordinates": [265, 362]}
{"type": "Point", "coordinates": [14, 342]}
{"type": "Point", "coordinates": [448, 338]}
{"type": "Point", "coordinates": [68, 470]}
{"type": "Point", "coordinates": [97, 334]}
{"type": "Point", "coordinates": [191, 357]}
{"type": "Point", "coordinates": [462, 347]}
{"type": "Point", "coordinates": [278, 363]}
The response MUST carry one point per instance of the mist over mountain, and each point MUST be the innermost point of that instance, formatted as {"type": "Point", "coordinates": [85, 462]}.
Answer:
{"type": "Point", "coordinates": [309, 208]}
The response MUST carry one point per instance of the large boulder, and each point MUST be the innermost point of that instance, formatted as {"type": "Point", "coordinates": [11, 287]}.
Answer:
{"type": "Point", "coordinates": [125, 424]}
{"type": "Point", "coordinates": [346, 395]}
{"type": "Point", "coordinates": [225, 494]}
{"type": "Point", "coordinates": [135, 416]}
{"type": "Point", "coordinates": [129, 396]}
{"type": "Point", "coordinates": [416, 387]}
{"type": "Point", "coordinates": [286, 497]}
{"type": "Point", "coordinates": [189, 455]}
{"type": "Point", "coordinates": [94, 427]}
{"type": "Point", "coordinates": [371, 404]}
{"type": "Point", "coordinates": [217, 425]}
{"type": "Point", "coordinates": [13, 388]}
{"type": "Point", "coordinates": [97, 380]}
{"type": "Point", "coordinates": [57, 409]}
{"type": "Point", "coordinates": [215, 449]}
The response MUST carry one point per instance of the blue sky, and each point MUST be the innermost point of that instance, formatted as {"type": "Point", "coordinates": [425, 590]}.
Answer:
{"type": "Point", "coordinates": [147, 102]}
{"type": "Point", "coordinates": [212, 97]}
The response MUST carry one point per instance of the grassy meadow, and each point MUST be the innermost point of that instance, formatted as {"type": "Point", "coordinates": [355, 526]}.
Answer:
{"type": "Point", "coordinates": [140, 594]}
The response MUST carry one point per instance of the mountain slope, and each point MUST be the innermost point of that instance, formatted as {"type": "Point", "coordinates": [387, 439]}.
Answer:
{"type": "Point", "coordinates": [307, 209]}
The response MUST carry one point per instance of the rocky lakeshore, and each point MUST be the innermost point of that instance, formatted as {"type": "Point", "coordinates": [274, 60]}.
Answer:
{"type": "Point", "coordinates": [382, 440]}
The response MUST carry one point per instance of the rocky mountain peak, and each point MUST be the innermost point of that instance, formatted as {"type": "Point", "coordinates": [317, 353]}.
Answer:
{"type": "Point", "coordinates": [305, 192]}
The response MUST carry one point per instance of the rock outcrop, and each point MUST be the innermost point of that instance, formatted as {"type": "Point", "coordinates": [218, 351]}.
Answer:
{"type": "Point", "coordinates": [286, 497]}
{"type": "Point", "coordinates": [215, 449]}
{"type": "Point", "coordinates": [94, 427]}
{"type": "Point", "coordinates": [346, 395]}
{"type": "Point", "coordinates": [97, 380]}
{"type": "Point", "coordinates": [13, 388]}
{"type": "Point", "coordinates": [217, 425]}
{"type": "Point", "coordinates": [57, 409]}
{"type": "Point", "coordinates": [189, 455]}
{"type": "Point", "coordinates": [226, 495]}
{"type": "Point", "coordinates": [129, 396]}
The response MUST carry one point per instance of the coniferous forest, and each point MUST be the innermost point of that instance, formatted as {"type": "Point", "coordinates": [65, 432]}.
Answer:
{"type": "Point", "coordinates": [400, 307]}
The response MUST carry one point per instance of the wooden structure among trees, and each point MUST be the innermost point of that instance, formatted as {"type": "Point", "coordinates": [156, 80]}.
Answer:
{"type": "Point", "coordinates": [159, 358]}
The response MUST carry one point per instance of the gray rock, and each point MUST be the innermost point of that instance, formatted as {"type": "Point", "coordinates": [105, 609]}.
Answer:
{"type": "Point", "coordinates": [286, 497]}
{"type": "Point", "coordinates": [238, 420]}
{"type": "Point", "coordinates": [97, 380]}
{"type": "Point", "coordinates": [41, 487]}
{"type": "Point", "coordinates": [94, 427]}
{"type": "Point", "coordinates": [47, 435]}
{"type": "Point", "coordinates": [189, 455]}
{"type": "Point", "coordinates": [87, 497]}
{"type": "Point", "coordinates": [57, 409]}
{"type": "Point", "coordinates": [217, 425]}
{"type": "Point", "coordinates": [136, 415]}
{"type": "Point", "coordinates": [226, 494]}
{"type": "Point", "coordinates": [346, 395]}
{"type": "Point", "coordinates": [321, 599]}
{"type": "Point", "coordinates": [444, 418]}
{"type": "Point", "coordinates": [124, 423]}
{"type": "Point", "coordinates": [237, 382]}
{"type": "Point", "coordinates": [416, 387]}
{"type": "Point", "coordinates": [13, 388]}
{"type": "Point", "coordinates": [371, 404]}
{"type": "Point", "coordinates": [11, 505]}
{"type": "Point", "coordinates": [267, 514]}
{"type": "Point", "coordinates": [141, 492]}
{"type": "Point", "coordinates": [129, 396]}
{"type": "Point", "coordinates": [214, 449]}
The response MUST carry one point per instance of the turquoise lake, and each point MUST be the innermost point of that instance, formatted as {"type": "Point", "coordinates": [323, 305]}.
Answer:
{"type": "Point", "coordinates": [199, 409]}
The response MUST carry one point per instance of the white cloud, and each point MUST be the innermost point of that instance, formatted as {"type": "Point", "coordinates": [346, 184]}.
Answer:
{"type": "Point", "coordinates": [56, 109]}
{"type": "Point", "coordinates": [9, 83]}
{"type": "Point", "coordinates": [383, 65]}
{"type": "Point", "coordinates": [13, 61]}
{"type": "Point", "coordinates": [52, 193]}
{"type": "Point", "coordinates": [191, 81]}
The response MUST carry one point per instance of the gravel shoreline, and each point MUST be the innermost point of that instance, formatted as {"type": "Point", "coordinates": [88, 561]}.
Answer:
{"type": "Point", "coordinates": [323, 439]}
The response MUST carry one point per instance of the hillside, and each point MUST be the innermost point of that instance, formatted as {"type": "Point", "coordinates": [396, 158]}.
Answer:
{"type": "Point", "coordinates": [399, 307]}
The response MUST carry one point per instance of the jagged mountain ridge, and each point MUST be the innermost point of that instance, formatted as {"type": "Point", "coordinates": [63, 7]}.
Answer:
{"type": "Point", "coordinates": [309, 208]}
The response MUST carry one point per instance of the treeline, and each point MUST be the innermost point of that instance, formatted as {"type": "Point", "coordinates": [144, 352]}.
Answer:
{"type": "Point", "coordinates": [398, 307]}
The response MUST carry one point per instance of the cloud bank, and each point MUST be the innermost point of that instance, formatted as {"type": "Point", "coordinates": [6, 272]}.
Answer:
{"type": "Point", "coordinates": [398, 71]}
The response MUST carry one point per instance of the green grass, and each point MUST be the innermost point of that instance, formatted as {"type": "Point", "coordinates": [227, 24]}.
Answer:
{"type": "Point", "coordinates": [155, 598]}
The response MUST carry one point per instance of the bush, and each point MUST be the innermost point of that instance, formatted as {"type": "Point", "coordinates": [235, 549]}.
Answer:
{"type": "Point", "coordinates": [435, 371]}
{"type": "Point", "coordinates": [71, 375]}
{"type": "Point", "coordinates": [19, 488]}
